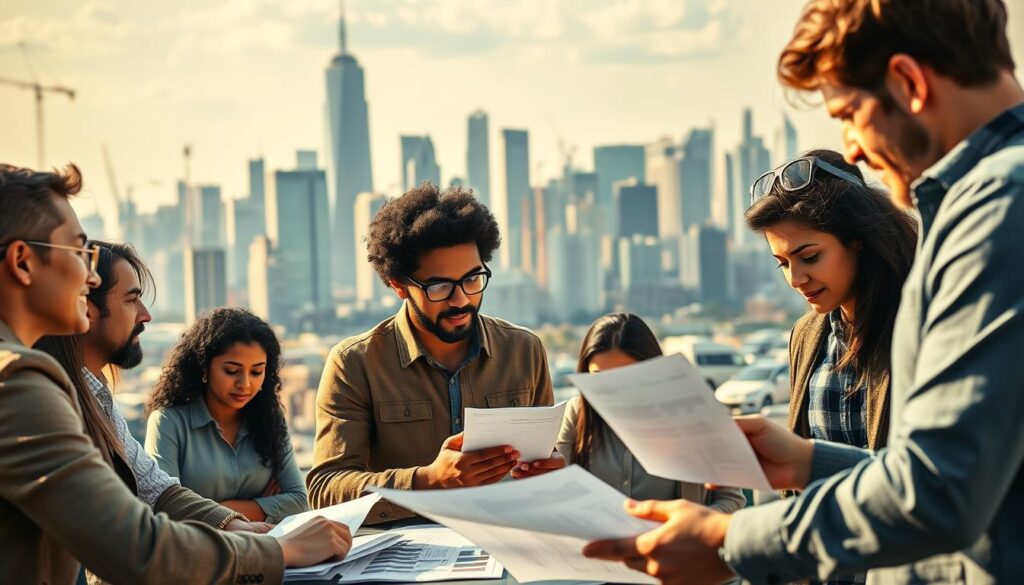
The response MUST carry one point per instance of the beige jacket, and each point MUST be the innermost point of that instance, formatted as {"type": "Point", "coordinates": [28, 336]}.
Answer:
{"type": "Point", "coordinates": [61, 503]}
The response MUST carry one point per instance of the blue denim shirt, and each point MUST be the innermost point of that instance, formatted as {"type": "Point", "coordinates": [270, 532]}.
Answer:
{"type": "Point", "coordinates": [950, 479]}
{"type": "Point", "coordinates": [454, 384]}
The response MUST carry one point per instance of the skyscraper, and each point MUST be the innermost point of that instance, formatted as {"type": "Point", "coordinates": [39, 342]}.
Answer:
{"type": "Point", "coordinates": [785, 141]}
{"type": "Point", "coordinates": [350, 153]}
{"type": "Point", "coordinates": [636, 205]}
{"type": "Point", "coordinates": [613, 164]}
{"type": "Point", "coordinates": [696, 177]}
{"type": "Point", "coordinates": [705, 264]}
{"type": "Point", "coordinates": [516, 162]}
{"type": "Point", "coordinates": [478, 157]}
{"type": "Point", "coordinates": [419, 162]}
{"type": "Point", "coordinates": [298, 227]}
{"type": "Point", "coordinates": [205, 282]}
{"type": "Point", "coordinates": [662, 170]}
{"type": "Point", "coordinates": [751, 160]}
{"type": "Point", "coordinates": [369, 286]}
{"type": "Point", "coordinates": [211, 218]}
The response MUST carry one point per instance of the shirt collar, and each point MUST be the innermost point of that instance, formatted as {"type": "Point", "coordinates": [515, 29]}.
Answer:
{"type": "Point", "coordinates": [95, 384]}
{"type": "Point", "coordinates": [7, 334]}
{"type": "Point", "coordinates": [409, 348]}
{"type": "Point", "coordinates": [933, 184]}
{"type": "Point", "coordinates": [199, 416]}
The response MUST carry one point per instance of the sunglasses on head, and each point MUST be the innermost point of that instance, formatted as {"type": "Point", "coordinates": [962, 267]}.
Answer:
{"type": "Point", "coordinates": [795, 175]}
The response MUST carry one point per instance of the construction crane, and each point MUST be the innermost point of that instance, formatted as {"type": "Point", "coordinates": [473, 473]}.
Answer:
{"type": "Point", "coordinates": [39, 90]}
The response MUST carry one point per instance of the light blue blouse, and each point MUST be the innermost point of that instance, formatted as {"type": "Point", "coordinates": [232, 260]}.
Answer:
{"type": "Point", "coordinates": [187, 443]}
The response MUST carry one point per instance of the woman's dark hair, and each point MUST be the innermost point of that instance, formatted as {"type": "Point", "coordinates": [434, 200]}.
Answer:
{"type": "Point", "coordinates": [424, 219]}
{"type": "Point", "coordinates": [853, 214]}
{"type": "Point", "coordinates": [622, 331]}
{"type": "Point", "coordinates": [67, 350]}
{"type": "Point", "coordinates": [181, 380]}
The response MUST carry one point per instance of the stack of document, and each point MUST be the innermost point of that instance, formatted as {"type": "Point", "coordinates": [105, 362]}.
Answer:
{"type": "Point", "coordinates": [411, 555]}
{"type": "Point", "coordinates": [536, 527]}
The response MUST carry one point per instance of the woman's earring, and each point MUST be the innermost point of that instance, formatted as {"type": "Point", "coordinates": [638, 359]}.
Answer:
{"type": "Point", "coordinates": [204, 378]}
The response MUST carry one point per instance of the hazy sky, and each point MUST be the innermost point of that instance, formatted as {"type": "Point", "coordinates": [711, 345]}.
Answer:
{"type": "Point", "coordinates": [239, 78]}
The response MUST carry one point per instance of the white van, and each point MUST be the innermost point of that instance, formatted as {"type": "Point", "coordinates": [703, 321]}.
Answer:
{"type": "Point", "coordinates": [715, 361]}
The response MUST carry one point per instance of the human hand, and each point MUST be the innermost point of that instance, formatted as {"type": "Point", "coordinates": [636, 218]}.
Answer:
{"type": "Point", "coordinates": [239, 525]}
{"type": "Point", "coordinates": [539, 467]}
{"type": "Point", "coordinates": [784, 456]}
{"type": "Point", "coordinates": [453, 468]}
{"type": "Point", "coordinates": [684, 549]}
{"type": "Point", "coordinates": [316, 541]}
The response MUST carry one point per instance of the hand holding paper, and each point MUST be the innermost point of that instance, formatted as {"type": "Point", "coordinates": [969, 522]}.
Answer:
{"type": "Point", "coordinates": [351, 514]}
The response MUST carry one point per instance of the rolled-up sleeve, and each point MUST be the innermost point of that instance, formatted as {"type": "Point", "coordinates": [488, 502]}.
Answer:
{"type": "Point", "coordinates": [955, 452]}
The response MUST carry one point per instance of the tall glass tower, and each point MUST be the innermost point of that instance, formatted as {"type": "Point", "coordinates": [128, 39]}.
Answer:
{"type": "Point", "coordinates": [350, 154]}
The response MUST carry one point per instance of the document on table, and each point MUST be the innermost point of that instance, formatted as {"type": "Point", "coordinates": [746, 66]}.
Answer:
{"type": "Point", "coordinates": [417, 555]}
{"type": "Point", "coordinates": [361, 546]}
{"type": "Point", "coordinates": [536, 527]}
{"type": "Point", "coordinates": [531, 430]}
{"type": "Point", "coordinates": [666, 415]}
{"type": "Point", "coordinates": [351, 514]}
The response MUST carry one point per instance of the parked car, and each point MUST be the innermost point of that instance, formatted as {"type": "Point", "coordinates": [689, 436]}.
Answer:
{"type": "Point", "coordinates": [755, 387]}
{"type": "Point", "coordinates": [715, 361]}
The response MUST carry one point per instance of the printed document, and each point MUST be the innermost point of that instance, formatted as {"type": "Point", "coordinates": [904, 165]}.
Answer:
{"type": "Point", "coordinates": [417, 555]}
{"type": "Point", "coordinates": [531, 430]}
{"type": "Point", "coordinates": [666, 415]}
{"type": "Point", "coordinates": [361, 546]}
{"type": "Point", "coordinates": [536, 527]}
{"type": "Point", "coordinates": [351, 514]}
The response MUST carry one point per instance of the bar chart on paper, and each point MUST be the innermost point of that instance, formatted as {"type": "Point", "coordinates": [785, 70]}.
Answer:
{"type": "Point", "coordinates": [422, 555]}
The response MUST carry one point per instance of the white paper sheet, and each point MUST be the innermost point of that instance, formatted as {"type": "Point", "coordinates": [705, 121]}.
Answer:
{"type": "Point", "coordinates": [531, 430]}
{"type": "Point", "coordinates": [422, 555]}
{"type": "Point", "coordinates": [361, 547]}
{"type": "Point", "coordinates": [666, 415]}
{"type": "Point", "coordinates": [536, 527]}
{"type": "Point", "coordinates": [351, 514]}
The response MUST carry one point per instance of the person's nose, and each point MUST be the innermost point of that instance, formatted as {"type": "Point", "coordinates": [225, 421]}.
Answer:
{"type": "Point", "coordinates": [459, 298]}
{"type": "Point", "coordinates": [797, 277]}
{"type": "Point", "coordinates": [853, 152]}
{"type": "Point", "coordinates": [93, 280]}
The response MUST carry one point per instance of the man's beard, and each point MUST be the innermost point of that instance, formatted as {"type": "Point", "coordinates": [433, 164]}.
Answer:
{"type": "Point", "coordinates": [435, 327]}
{"type": "Point", "coordinates": [130, 354]}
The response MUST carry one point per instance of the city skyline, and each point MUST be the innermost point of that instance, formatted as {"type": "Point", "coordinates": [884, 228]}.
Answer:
{"type": "Point", "coordinates": [239, 80]}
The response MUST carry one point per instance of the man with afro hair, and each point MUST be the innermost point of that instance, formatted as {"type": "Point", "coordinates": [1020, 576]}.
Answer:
{"type": "Point", "coordinates": [391, 400]}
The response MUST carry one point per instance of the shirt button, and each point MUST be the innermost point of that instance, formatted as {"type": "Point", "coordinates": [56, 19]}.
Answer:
{"type": "Point", "coordinates": [451, 382]}
{"type": "Point", "coordinates": [383, 514]}
{"type": "Point", "coordinates": [458, 420]}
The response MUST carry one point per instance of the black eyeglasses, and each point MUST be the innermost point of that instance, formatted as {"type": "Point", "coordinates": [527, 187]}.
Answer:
{"type": "Point", "coordinates": [442, 289]}
{"type": "Point", "coordinates": [795, 175]}
{"type": "Point", "coordinates": [89, 255]}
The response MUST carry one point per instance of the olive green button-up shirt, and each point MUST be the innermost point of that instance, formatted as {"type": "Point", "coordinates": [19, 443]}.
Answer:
{"type": "Point", "coordinates": [187, 443]}
{"type": "Point", "coordinates": [383, 410]}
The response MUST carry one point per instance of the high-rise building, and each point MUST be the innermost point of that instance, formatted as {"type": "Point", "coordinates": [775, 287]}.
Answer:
{"type": "Point", "coordinates": [478, 157]}
{"type": "Point", "coordinates": [306, 160]}
{"type": "Point", "coordinates": [298, 227]}
{"type": "Point", "coordinates": [695, 187]}
{"type": "Point", "coordinates": [751, 160]}
{"type": "Point", "coordinates": [705, 264]}
{"type": "Point", "coordinates": [613, 164]}
{"type": "Point", "coordinates": [662, 170]}
{"type": "Point", "coordinates": [516, 166]}
{"type": "Point", "coordinates": [639, 261]}
{"type": "Point", "coordinates": [419, 162]}
{"type": "Point", "coordinates": [369, 286]}
{"type": "Point", "coordinates": [246, 219]}
{"type": "Point", "coordinates": [205, 281]}
{"type": "Point", "coordinates": [349, 130]}
{"type": "Point", "coordinates": [636, 205]}
{"type": "Point", "coordinates": [260, 276]}
{"type": "Point", "coordinates": [785, 141]}
{"type": "Point", "coordinates": [211, 218]}
{"type": "Point", "coordinates": [575, 279]}
{"type": "Point", "coordinates": [167, 265]}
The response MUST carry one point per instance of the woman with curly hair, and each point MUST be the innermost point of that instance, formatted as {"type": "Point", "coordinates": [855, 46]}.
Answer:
{"type": "Point", "coordinates": [215, 421]}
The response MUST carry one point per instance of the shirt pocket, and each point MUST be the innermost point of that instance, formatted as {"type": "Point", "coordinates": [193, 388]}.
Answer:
{"type": "Point", "coordinates": [509, 398]}
{"type": "Point", "coordinates": [407, 431]}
